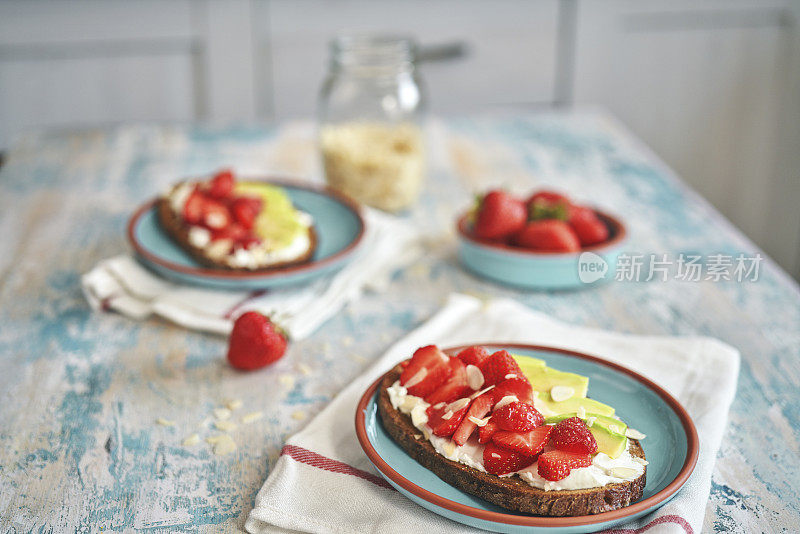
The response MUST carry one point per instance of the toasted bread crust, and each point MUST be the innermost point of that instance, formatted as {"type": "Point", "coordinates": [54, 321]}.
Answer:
{"type": "Point", "coordinates": [511, 493]}
{"type": "Point", "coordinates": [175, 227]}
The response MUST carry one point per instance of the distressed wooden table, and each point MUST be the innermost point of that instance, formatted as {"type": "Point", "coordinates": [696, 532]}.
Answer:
{"type": "Point", "coordinates": [81, 393]}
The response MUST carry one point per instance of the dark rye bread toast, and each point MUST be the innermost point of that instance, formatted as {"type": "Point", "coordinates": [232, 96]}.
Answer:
{"type": "Point", "coordinates": [511, 493]}
{"type": "Point", "coordinates": [178, 230]}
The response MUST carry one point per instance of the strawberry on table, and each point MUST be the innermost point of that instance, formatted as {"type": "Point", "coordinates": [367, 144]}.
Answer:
{"type": "Point", "coordinates": [473, 355]}
{"type": "Point", "coordinates": [548, 205]}
{"type": "Point", "coordinates": [426, 371]}
{"type": "Point", "coordinates": [519, 387]}
{"type": "Point", "coordinates": [455, 386]}
{"type": "Point", "coordinates": [221, 185]}
{"type": "Point", "coordinates": [444, 420]}
{"type": "Point", "coordinates": [556, 465]}
{"type": "Point", "coordinates": [499, 215]}
{"type": "Point", "coordinates": [477, 410]}
{"type": "Point", "coordinates": [498, 366]}
{"type": "Point", "coordinates": [499, 461]}
{"type": "Point", "coordinates": [587, 226]}
{"type": "Point", "coordinates": [517, 417]}
{"type": "Point", "coordinates": [572, 435]}
{"type": "Point", "coordinates": [548, 235]}
{"type": "Point", "coordinates": [255, 342]}
{"type": "Point", "coordinates": [528, 443]}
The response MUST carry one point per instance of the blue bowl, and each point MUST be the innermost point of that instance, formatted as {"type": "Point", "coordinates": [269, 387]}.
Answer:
{"type": "Point", "coordinates": [519, 267]}
{"type": "Point", "coordinates": [337, 222]}
{"type": "Point", "coordinates": [671, 447]}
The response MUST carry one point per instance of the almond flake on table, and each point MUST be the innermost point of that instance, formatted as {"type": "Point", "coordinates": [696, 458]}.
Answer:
{"type": "Point", "coordinates": [222, 413]}
{"type": "Point", "coordinates": [347, 341]}
{"type": "Point", "coordinates": [233, 404]}
{"type": "Point", "coordinates": [224, 445]}
{"type": "Point", "coordinates": [299, 415]}
{"type": "Point", "coordinates": [194, 439]}
{"type": "Point", "coordinates": [252, 416]}
{"type": "Point", "coordinates": [225, 426]}
{"type": "Point", "coordinates": [165, 422]}
{"type": "Point", "coordinates": [286, 381]}
{"type": "Point", "coordinates": [303, 368]}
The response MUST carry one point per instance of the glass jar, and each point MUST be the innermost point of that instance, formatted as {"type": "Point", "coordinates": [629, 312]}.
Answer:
{"type": "Point", "coordinates": [370, 114]}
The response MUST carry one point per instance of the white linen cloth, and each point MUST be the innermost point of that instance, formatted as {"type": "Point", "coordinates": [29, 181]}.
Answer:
{"type": "Point", "coordinates": [311, 488]}
{"type": "Point", "coordinates": [123, 285]}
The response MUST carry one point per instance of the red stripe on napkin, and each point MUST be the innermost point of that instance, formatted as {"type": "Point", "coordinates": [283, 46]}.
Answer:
{"type": "Point", "coordinates": [328, 464]}
{"type": "Point", "coordinates": [678, 520]}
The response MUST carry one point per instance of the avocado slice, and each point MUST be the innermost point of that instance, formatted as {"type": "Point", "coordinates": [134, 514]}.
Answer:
{"type": "Point", "coordinates": [545, 404]}
{"type": "Point", "coordinates": [609, 432]}
{"type": "Point", "coordinates": [543, 378]}
{"type": "Point", "coordinates": [279, 222]}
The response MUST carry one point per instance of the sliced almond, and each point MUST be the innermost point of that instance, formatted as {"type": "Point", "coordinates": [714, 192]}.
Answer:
{"type": "Point", "coordinates": [252, 416]}
{"type": "Point", "coordinates": [590, 421]}
{"type": "Point", "coordinates": [447, 415]}
{"type": "Point", "coordinates": [626, 473]}
{"type": "Point", "coordinates": [457, 405]}
{"type": "Point", "coordinates": [581, 412]}
{"type": "Point", "coordinates": [479, 393]}
{"type": "Point", "coordinates": [478, 422]}
{"type": "Point", "coordinates": [561, 393]}
{"type": "Point", "coordinates": [439, 405]}
{"type": "Point", "coordinates": [194, 439]}
{"type": "Point", "coordinates": [233, 404]}
{"type": "Point", "coordinates": [225, 426]}
{"type": "Point", "coordinates": [418, 377]}
{"type": "Point", "coordinates": [634, 434]}
{"type": "Point", "coordinates": [224, 445]}
{"type": "Point", "coordinates": [615, 429]}
{"type": "Point", "coordinates": [164, 422]}
{"type": "Point", "coordinates": [303, 368]}
{"type": "Point", "coordinates": [508, 399]}
{"type": "Point", "coordinates": [408, 403]}
{"type": "Point", "coordinates": [510, 375]}
{"type": "Point", "coordinates": [495, 455]}
{"type": "Point", "coordinates": [474, 377]}
{"type": "Point", "coordinates": [298, 415]}
{"type": "Point", "coordinates": [222, 413]}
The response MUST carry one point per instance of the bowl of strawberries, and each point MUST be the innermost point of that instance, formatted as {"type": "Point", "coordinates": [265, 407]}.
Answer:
{"type": "Point", "coordinates": [542, 242]}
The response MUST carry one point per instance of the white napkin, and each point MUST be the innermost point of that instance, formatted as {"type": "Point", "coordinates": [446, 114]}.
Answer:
{"type": "Point", "coordinates": [123, 285]}
{"type": "Point", "coordinates": [323, 482]}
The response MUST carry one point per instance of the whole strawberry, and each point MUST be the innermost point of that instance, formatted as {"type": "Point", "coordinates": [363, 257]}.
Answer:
{"type": "Point", "coordinates": [548, 235]}
{"type": "Point", "coordinates": [255, 342]}
{"type": "Point", "coordinates": [499, 215]}
{"type": "Point", "coordinates": [587, 226]}
{"type": "Point", "coordinates": [572, 435]}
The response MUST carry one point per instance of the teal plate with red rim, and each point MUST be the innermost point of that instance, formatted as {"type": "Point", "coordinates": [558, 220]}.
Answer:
{"type": "Point", "coordinates": [337, 222]}
{"type": "Point", "coordinates": [671, 448]}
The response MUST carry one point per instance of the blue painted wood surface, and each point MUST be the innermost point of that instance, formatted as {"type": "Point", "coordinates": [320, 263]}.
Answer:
{"type": "Point", "coordinates": [80, 449]}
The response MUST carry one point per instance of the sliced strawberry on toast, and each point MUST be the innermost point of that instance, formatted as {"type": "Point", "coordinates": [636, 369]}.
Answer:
{"type": "Point", "coordinates": [517, 417]}
{"type": "Point", "coordinates": [572, 435]}
{"type": "Point", "coordinates": [528, 443]}
{"type": "Point", "coordinates": [481, 406]}
{"type": "Point", "coordinates": [455, 387]}
{"type": "Point", "coordinates": [499, 461]}
{"type": "Point", "coordinates": [473, 355]}
{"type": "Point", "coordinates": [486, 432]}
{"type": "Point", "coordinates": [426, 371]}
{"type": "Point", "coordinates": [444, 420]}
{"type": "Point", "coordinates": [498, 367]}
{"type": "Point", "coordinates": [518, 387]}
{"type": "Point", "coordinates": [556, 465]}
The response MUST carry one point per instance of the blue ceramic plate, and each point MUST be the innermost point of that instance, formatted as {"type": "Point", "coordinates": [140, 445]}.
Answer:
{"type": "Point", "coordinates": [337, 221]}
{"type": "Point", "coordinates": [517, 267]}
{"type": "Point", "coordinates": [671, 448]}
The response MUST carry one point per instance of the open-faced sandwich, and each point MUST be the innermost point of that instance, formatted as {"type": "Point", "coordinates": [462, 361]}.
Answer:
{"type": "Point", "coordinates": [513, 431]}
{"type": "Point", "coordinates": [242, 226]}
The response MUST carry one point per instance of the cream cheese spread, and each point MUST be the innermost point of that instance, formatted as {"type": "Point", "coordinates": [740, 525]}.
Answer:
{"type": "Point", "coordinates": [604, 469]}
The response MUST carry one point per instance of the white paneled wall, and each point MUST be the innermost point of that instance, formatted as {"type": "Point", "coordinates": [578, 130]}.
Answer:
{"type": "Point", "coordinates": [711, 85]}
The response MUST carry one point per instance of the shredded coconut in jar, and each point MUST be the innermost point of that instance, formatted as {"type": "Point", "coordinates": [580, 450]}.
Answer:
{"type": "Point", "coordinates": [379, 164]}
